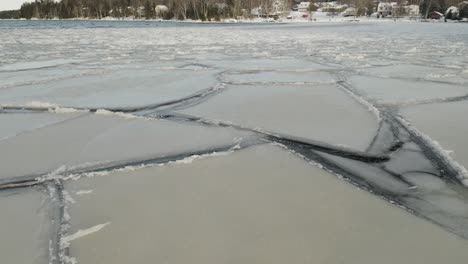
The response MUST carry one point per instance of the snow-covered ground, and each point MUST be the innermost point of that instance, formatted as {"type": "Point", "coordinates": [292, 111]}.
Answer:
{"type": "Point", "coordinates": [331, 142]}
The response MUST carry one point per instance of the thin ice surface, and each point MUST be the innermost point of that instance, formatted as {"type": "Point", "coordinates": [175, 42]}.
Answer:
{"type": "Point", "coordinates": [394, 91]}
{"type": "Point", "coordinates": [419, 72]}
{"type": "Point", "coordinates": [105, 138]}
{"type": "Point", "coordinates": [260, 205]}
{"type": "Point", "coordinates": [14, 124]}
{"type": "Point", "coordinates": [17, 77]}
{"type": "Point", "coordinates": [319, 112]}
{"type": "Point", "coordinates": [262, 63]}
{"type": "Point", "coordinates": [278, 77]}
{"type": "Point", "coordinates": [24, 226]}
{"type": "Point", "coordinates": [121, 89]}
{"type": "Point", "coordinates": [449, 127]}
{"type": "Point", "coordinates": [127, 67]}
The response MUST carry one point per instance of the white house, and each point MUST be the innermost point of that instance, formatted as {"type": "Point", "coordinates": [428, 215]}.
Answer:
{"type": "Point", "coordinates": [161, 10]}
{"type": "Point", "coordinates": [350, 11]}
{"type": "Point", "coordinates": [257, 11]}
{"type": "Point", "coordinates": [303, 7]}
{"type": "Point", "coordinates": [384, 9]}
{"type": "Point", "coordinates": [332, 6]}
{"type": "Point", "coordinates": [412, 10]}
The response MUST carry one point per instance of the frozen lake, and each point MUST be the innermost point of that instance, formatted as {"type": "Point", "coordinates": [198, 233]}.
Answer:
{"type": "Point", "coordinates": [123, 142]}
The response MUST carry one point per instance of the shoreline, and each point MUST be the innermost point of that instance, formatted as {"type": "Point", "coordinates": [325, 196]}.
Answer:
{"type": "Point", "coordinates": [252, 21]}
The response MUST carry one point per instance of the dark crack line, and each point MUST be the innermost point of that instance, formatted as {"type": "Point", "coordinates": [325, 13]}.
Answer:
{"type": "Point", "coordinates": [37, 68]}
{"type": "Point", "coordinates": [202, 66]}
{"type": "Point", "coordinates": [31, 180]}
{"type": "Point", "coordinates": [59, 225]}
{"type": "Point", "coordinates": [412, 79]}
{"type": "Point", "coordinates": [284, 139]}
{"type": "Point", "coordinates": [343, 83]}
{"type": "Point", "coordinates": [45, 81]}
{"type": "Point", "coordinates": [43, 127]}
{"type": "Point", "coordinates": [447, 171]}
{"type": "Point", "coordinates": [330, 149]}
{"type": "Point", "coordinates": [376, 137]}
{"type": "Point", "coordinates": [421, 171]}
{"type": "Point", "coordinates": [362, 183]}
{"type": "Point", "coordinates": [185, 103]}
{"type": "Point", "coordinates": [389, 115]}
{"type": "Point", "coordinates": [453, 99]}
{"type": "Point", "coordinates": [355, 179]}
{"type": "Point", "coordinates": [152, 107]}
{"type": "Point", "coordinates": [397, 176]}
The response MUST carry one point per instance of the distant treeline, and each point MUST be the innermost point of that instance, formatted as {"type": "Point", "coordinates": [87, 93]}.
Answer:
{"type": "Point", "coordinates": [10, 14]}
{"type": "Point", "coordinates": [168, 9]}
{"type": "Point", "coordinates": [187, 9]}
{"type": "Point", "coordinates": [443, 5]}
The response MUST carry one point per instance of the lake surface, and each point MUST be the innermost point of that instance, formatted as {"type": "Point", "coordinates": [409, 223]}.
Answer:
{"type": "Point", "coordinates": [129, 141]}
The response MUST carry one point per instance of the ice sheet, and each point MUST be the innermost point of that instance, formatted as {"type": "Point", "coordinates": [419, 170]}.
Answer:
{"type": "Point", "coordinates": [278, 77]}
{"type": "Point", "coordinates": [11, 79]}
{"type": "Point", "coordinates": [318, 112]}
{"type": "Point", "coordinates": [13, 124]}
{"type": "Point", "coordinates": [123, 88]}
{"type": "Point", "coordinates": [24, 226]}
{"type": "Point", "coordinates": [409, 71]}
{"type": "Point", "coordinates": [394, 91]}
{"type": "Point", "coordinates": [261, 63]}
{"type": "Point", "coordinates": [21, 66]}
{"type": "Point", "coordinates": [97, 138]}
{"type": "Point", "coordinates": [449, 127]}
{"type": "Point", "coordinates": [259, 205]}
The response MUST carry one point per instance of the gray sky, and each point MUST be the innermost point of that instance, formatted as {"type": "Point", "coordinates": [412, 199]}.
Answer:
{"type": "Point", "coordinates": [11, 4]}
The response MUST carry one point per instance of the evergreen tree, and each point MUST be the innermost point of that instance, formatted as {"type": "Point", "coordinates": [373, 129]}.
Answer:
{"type": "Point", "coordinates": [148, 10]}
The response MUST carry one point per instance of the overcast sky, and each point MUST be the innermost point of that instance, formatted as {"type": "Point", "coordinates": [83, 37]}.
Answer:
{"type": "Point", "coordinates": [11, 4]}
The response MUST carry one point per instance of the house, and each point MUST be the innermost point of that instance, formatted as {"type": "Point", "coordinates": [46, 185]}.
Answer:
{"type": "Point", "coordinates": [305, 7]}
{"type": "Point", "coordinates": [161, 10]}
{"type": "Point", "coordinates": [384, 9]}
{"type": "Point", "coordinates": [279, 6]}
{"type": "Point", "coordinates": [435, 15]}
{"type": "Point", "coordinates": [332, 7]}
{"type": "Point", "coordinates": [350, 11]}
{"type": "Point", "coordinates": [273, 9]}
{"type": "Point", "coordinates": [257, 11]}
{"type": "Point", "coordinates": [412, 10]}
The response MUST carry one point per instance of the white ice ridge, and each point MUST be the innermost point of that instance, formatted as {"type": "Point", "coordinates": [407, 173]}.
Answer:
{"type": "Point", "coordinates": [33, 105]}
{"type": "Point", "coordinates": [51, 107]}
{"type": "Point", "coordinates": [186, 160]}
{"type": "Point", "coordinates": [83, 192]}
{"type": "Point", "coordinates": [54, 108]}
{"type": "Point", "coordinates": [120, 114]}
{"type": "Point", "coordinates": [65, 241]}
{"type": "Point", "coordinates": [68, 198]}
{"type": "Point", "coordinates": [65, 110]}
{"type": "Point", "coordinates": [189, 160]}
{"type": "Point", "coordinates": [370, 107]}
{"type": "Point", "coordinates": [38, 104]}
{"type": "Point", "coordinates": [461, 172]}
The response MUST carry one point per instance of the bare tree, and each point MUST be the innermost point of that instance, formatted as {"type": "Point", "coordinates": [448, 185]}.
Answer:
{"type": "Point", "coordinates": [362, 6]}
{"type": "Point", "coordinates": [181, 7]}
